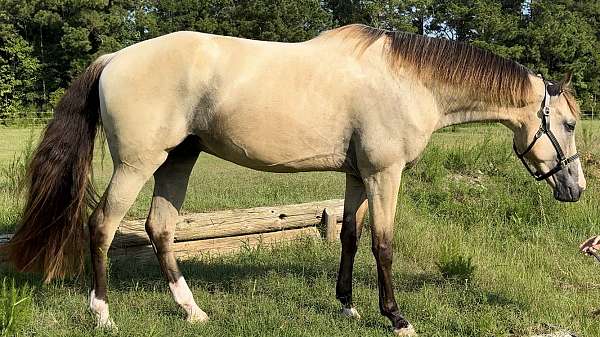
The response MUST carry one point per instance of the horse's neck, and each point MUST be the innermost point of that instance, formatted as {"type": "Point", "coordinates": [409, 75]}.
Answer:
{"type": "Point", "coordinates": [456, 109]}
{"type": "Point", "coordinates": [461, 112]}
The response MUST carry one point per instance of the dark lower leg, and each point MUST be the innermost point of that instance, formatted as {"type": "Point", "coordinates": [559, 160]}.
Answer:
{"type": "Point", "coordinates": [102, 231]}
{"type": "Point", "coordinates": [349, 238]}
{"type": "Point", "coordinates": [387, 302]}
{"type": "Point", "coordinates": [382, 189]}
{"type": "Point", "coordinates": [355, 206]}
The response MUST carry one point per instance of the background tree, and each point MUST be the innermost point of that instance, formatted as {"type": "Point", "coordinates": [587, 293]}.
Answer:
{"type": "Point", "coordinates": [18, 70]}
{"type": "Point", "coordinates": [45, 43]}
{"type": "Point", "coordinates": [562, 38]}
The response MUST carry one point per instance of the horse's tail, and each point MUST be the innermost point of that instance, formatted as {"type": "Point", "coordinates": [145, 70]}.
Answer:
{"type": "Point", "coordinates": [51, 235]}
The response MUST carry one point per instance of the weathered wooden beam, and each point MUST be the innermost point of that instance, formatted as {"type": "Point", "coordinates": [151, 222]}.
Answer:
{"type": "Point", "coordinates": [329, 221]}
{"type": "Point", "coordinates": [198, 226]}
{"type": "Point", "coordinates": [215, 246]}
{"type": "Point", "coordinates": [227, 230]}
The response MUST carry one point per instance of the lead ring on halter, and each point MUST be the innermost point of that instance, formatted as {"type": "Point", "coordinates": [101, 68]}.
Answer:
{"type": "Point", "coordinates": [545, 130]}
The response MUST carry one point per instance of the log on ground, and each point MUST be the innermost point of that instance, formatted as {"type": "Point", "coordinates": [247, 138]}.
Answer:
{"type": "Point", "coordinates": [199, 226]}
{"type": "Point", "coordinates": [215, 246]}
{"type": "Point", "coordinates": [226, 231]}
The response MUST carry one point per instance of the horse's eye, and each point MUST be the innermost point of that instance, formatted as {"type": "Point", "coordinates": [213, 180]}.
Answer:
{"type": "Point", "coordinates": [570, 126]}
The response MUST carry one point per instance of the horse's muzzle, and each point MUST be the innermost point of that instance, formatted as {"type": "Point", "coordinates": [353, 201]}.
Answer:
{"type": "Point", "coordinates": [568, 192]}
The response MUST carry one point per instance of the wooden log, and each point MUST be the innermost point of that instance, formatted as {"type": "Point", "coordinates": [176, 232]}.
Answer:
{"type": "Point", "coordinates": [214, 246]}
{"type": "Point", "coordinates": [197, 226]}
{"type": "Point", "coordinates": [4, 238]}
{"type": "Point", "coordinates": [198, 229]}
{"type": "Point", "coordinates": [329, 221]}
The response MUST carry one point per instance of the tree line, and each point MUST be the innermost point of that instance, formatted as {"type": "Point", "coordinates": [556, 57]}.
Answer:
{"type": "Point", "coordinates": [45, 43]}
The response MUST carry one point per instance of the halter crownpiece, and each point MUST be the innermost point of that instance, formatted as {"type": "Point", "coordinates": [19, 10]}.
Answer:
{"type": "Point", "coordinates": [544, 129]}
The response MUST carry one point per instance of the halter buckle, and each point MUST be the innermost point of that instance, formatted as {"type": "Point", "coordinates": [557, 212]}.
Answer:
{"type": "Point", "coordinates": [546, 111]}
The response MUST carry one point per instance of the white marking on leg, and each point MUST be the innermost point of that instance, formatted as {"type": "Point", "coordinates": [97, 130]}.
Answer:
{"type": "Point", "coordinates": [99, 308]}
{"type": "Point", "coordinates": [409, 331]}
{"type": "Point", "coordinates": [184, 297]}
{"type": "Point", "coordinates": [350, 312]}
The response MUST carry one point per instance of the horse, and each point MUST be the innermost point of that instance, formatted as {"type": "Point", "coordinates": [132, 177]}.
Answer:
{"type": "Point", "coordinates": [356, 99]}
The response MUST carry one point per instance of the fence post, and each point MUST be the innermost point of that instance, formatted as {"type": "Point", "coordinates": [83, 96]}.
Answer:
{"type": "Point", "coordinates": [330, 222]}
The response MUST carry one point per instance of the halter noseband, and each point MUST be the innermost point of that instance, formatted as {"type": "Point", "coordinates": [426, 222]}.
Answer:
{"type": "Point", "coordinates": [545, 130]}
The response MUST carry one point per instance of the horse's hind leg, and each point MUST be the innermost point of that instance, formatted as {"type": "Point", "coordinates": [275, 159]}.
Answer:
{"type": "Point", "coordinates": [170, 184]}
{"type": "Point", "coordinates": [355, 206]}
{"type": "Point", "coordinates": [125, 184]}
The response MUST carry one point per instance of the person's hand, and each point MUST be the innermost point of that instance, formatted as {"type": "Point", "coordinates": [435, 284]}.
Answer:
{"type": "Point", "coordinates": [591, 245]}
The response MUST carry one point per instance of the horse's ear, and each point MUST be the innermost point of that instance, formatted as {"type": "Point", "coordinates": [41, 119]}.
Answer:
{"type": "Point", "coordinates": [565, 83]}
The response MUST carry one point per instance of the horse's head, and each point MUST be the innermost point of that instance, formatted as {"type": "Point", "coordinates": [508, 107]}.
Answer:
{"type": "Point", "coordinates": [545, 142]}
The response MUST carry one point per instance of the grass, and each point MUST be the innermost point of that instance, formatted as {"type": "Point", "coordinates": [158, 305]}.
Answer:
{"type": "Point", "coordinates": [14, 308]}
{"type": "Point", "coordinates": [467, 211]}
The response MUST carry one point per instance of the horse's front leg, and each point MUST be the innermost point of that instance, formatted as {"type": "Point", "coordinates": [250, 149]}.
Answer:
{"type": "Point", "coordinates": [355, 206]}
{"type": "Point", "coordinates": [382, 192]}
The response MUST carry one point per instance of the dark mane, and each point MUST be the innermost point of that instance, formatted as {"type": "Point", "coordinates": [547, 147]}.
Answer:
{"type": "Point", "coordinates": [459, 66]}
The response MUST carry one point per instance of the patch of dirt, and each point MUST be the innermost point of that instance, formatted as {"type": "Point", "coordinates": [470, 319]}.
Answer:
{"type": "Point", "coordinates": [545, 330]}
{"type": "Point", "coordinates": [475, 179]}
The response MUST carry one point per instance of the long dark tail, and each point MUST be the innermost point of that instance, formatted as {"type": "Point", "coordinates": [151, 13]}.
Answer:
{"type": "Point", "coordinates": [50, 238]}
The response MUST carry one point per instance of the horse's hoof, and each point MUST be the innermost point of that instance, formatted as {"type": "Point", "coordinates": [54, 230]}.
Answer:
{"type": "Point", "coordinates": [350, 312]}
{"type": "Point", "coordinates": [197, 316]}
{"type": "Point", "coordinates": [107, 325]}
{"type": "Point", "coordinates": [409, 331]}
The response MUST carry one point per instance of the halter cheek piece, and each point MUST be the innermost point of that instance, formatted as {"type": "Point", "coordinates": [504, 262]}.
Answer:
{"type": "Point", "coordinates": [545, 130]}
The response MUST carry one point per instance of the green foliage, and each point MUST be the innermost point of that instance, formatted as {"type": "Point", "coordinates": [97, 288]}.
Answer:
{"type": "Point", "coordinates": [455, 267]}
{"type": "Point", "coordinates": [18, 69]}
{"type": "Point", "coordinates": [44, 44]}
{"type": "Point", "coordinates": [15, 308]}
{"type": "Point", "coordinates": [563, 38]}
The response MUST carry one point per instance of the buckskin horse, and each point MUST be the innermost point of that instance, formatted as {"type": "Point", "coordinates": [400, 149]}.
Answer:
{"type": "Point", "coordinates": [356, 99]}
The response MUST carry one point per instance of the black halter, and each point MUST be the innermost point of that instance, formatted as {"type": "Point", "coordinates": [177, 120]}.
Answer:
{"type": "Point", "coordinates": [545, 130]}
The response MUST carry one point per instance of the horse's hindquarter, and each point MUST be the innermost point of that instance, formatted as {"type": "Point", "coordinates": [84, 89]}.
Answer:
{"type": "Point", "coordinates": [147, 92]}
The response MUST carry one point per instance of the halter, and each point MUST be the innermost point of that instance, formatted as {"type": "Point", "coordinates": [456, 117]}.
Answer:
{"type": "Point", "coordinates": [545, 130]}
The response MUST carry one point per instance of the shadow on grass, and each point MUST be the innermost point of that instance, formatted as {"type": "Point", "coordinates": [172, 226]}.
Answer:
{"type": "Point", "coordinates": [305, 261]}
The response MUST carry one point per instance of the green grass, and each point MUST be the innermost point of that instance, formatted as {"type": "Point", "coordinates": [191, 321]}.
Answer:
{"type": "Point", "coordinates": [480, 250]}
{"type": "Point", "coordinates": [14, 308]}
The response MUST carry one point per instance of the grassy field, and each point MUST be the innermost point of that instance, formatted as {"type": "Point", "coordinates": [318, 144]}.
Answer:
{"type": "Point", "coordinates": [467, 203]}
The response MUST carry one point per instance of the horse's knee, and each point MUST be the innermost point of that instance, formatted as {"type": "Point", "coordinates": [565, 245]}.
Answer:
{"type": "Point", "coordinates": [383, 252]}
{"type": "Point", "coordinates": [349, 234]}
